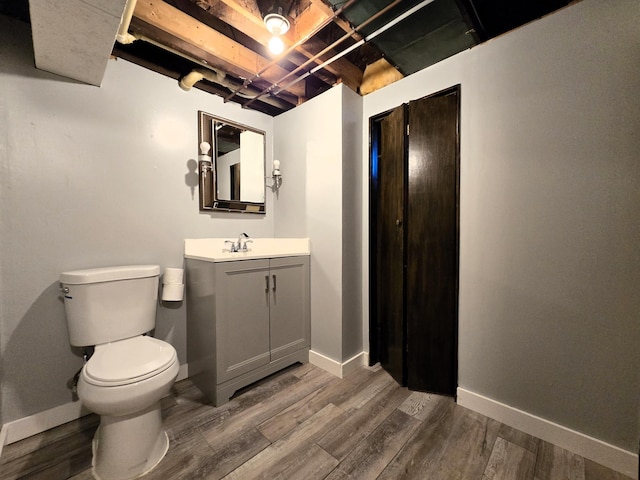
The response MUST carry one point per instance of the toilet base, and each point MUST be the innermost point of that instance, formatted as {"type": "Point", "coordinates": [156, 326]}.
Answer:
{"type": "Point", "coordinates": [129, 446]}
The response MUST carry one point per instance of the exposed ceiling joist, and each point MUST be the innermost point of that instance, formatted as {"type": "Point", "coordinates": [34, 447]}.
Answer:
{"type": "Point", "coordinates": [233, 56]}
{"type": "Point", "coordinates": [365, 44]}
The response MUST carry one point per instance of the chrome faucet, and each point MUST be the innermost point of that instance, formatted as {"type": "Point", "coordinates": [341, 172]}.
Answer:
{"type": "Point", "coordinates": [239, 246]}
{"type": "Point", "coordinates": [242, 247]}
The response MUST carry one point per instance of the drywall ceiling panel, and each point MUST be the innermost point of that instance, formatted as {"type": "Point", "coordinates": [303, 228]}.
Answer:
{"type": "Point", "coordinates": [74, 38]}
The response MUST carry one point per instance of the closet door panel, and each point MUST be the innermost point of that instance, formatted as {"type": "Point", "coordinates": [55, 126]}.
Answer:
{"type": "Point", "coordinates": [390, 246]}
{"type": "Point", "coordinates": [432, 244]}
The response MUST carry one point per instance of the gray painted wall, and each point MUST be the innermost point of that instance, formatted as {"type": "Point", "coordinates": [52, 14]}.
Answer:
{"type": "Point", "coordinates": [319, 144]}
{"type": "Point", "coordinates": [308, 141]}
{"type": "Point", "coordinates": [550, 190]}
{"type": "Point", "coordinates": [91, 177]}
{"type": "Point", "coordinates": [351, 223]}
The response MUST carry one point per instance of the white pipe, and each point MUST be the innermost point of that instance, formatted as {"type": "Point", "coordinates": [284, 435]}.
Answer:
{"type": "Point", "coordinates": [194, 76]}
{"type": "Point", "coordinates": [371, 36]}
{"type": "Point", "coordinates": [186, 85]}
{"type": "Point", "coordinates": [190, 79]}
{"type": "Point", "coordinates": [220, 78]}
{"type": "Point", "coordinates": [382, 29]}
{"type": "Point", "coordinates": [123, 36]}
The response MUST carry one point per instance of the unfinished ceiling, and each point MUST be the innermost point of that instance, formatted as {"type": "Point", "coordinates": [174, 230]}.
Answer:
{"type": "Point", "coordinates": [220, 46]}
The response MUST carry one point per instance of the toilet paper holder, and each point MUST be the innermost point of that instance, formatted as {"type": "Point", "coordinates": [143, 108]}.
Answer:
{"type": "Point", "coordinates": [173, 285]}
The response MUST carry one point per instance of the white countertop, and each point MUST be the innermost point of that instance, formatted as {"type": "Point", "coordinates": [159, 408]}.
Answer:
{"type": "Point", "coordinates": [216, 250]}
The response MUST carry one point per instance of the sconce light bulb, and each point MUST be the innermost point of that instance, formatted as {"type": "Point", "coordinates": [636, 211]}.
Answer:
{"type": "Point", "coordinates": [204, 152]}
{"type": "Point", "coordinates": [276, 164]}
{"type": "Point", "coordinates": [204, 148]}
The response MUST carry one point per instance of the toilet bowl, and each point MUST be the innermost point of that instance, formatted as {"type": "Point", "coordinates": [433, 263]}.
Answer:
{"type": "Point", "coordinates": [128, 375]}
{"type": "Point", "coordinates": [112, 309]}
{"type": "Point", "coordinates": [123, 382]}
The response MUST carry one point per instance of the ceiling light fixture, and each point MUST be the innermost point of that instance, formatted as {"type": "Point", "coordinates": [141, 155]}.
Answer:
{"type": "Point", "coordinates": [277, 24]}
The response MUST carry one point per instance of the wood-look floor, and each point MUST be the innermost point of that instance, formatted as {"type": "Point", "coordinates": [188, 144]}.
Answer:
{"type": "Point", "coordinates": [303, 423]}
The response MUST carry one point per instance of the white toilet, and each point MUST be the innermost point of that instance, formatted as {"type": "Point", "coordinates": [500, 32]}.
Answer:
{"type": "Point", "coordinates": [127, 375]}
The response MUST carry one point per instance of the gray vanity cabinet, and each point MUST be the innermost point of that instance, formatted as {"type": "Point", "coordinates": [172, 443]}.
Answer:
{"type": "Point", "coordinates": [246, 319]}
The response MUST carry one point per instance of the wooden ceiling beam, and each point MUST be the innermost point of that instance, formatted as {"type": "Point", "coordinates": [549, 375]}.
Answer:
{"type": "Point", "coordinates": [186, 50]}
{"type": "Point", "coordinates": [256, 30]}
{"type": "Point", "coordinates": [248, 20]}
{"type": "Point", "coordinates": [120, 51]}
{"type": "Point", "coordinates": [307, 21]}
{"type": "Point", "coordinates": [240, 60]}
{"type": "Point", "coordinates": [343, 24]}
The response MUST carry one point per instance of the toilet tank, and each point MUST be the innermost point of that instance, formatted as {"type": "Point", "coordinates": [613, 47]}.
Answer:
{"type": "Point", "coordinates": [111, 303]}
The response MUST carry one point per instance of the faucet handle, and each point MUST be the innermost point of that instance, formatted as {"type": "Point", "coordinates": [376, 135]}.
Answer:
{"type": "Point", "coordinates": [233, 248]}
{"type": "Point", "coordinates": [244, 247]}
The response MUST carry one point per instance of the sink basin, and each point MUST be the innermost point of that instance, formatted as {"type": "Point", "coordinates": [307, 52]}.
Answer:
{"type": "Point", "coordinates": [216, 250]}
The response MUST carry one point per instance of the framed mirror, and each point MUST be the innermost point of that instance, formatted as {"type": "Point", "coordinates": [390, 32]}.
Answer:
{"type": "Point", "coordinates": [234, 178]}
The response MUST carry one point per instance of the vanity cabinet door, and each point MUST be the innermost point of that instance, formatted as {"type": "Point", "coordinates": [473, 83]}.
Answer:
{"type": "Point", "coordinates": [289, 305]}
{"type": "Point", "coordinates": [242, 312]}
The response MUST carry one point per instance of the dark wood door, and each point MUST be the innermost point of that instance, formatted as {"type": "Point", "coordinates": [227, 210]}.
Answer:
{"type": "Point", "coordinates": [414, 242]}
{"type": "Point", "coordinates": [432, 243]}
{"type": "Point", "coordinates": [389, 249]}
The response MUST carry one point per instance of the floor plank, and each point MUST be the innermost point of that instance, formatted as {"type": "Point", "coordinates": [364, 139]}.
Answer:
{"type": "Point", "coordinates": [336, 393]}
{"type": "Point", "coordinates": [341, 440]}
{"type": "Point", "coordinates": [369, 458]}
{"type": "Point", "coordinates": [426, 447]}
{"type": "Point", "coordinates": [524, 440]}
{"type": "Point", "coordinates": [509, 461]}
{"type": "Point", "coordinates": [283, 454]}
{"type": "Point", "coordinates": [467, 448]}
{"type": "Point", "coordinates": [554, 462]}
{"type": "Point", "coordinates": [303, 423]}
{"type": "Point", "coordinates": [419, 404]}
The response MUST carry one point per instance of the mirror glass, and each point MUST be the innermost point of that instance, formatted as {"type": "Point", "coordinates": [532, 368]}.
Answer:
{"type": "Point", "coordinates": [234, 180]}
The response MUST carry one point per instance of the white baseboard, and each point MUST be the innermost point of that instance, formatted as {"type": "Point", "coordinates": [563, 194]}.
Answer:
{"type": "Point", "coordinates": [334, 367]}
{"type": "Point", "coordinates": [37, 423]}
{"type": "Point", "coordinates": [42, 421]}
{"type": "Point", "coordinates": [596, 450]}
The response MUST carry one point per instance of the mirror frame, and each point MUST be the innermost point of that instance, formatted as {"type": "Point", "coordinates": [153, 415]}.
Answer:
{"type": "Point", "coordinates": [207, 171]}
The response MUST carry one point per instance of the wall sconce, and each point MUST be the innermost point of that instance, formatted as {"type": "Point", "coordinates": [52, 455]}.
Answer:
{"type": "Point", "coordinates": [276, 176]}
{"type": "Point", "coordinates": [205, 168]}
{"type": "Point", "coordinates": [277, 24]}
{"type": "Point", "coordinates": [204, 159]}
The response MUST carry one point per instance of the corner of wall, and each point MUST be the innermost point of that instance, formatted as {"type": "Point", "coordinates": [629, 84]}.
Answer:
{"type": "Point", "coordinates": [4, 431]}
{"type": "Point", "coordinates": [339, 369]}
{"type": "Point", "coordinates": [352, 201]}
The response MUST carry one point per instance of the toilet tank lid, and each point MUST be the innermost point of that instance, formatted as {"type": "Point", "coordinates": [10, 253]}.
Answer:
{"type": "Point", "coordinates": [109, 274]}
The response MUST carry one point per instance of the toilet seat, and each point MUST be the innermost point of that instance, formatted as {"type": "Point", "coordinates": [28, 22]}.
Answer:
{"type": "Point", "coordinates": [128, 361]}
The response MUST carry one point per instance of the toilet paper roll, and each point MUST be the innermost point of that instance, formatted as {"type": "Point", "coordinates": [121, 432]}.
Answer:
{"type": "Point", "coordinates": [173, 275]}
{"type": "Point", "coordinates": [173, 292]}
